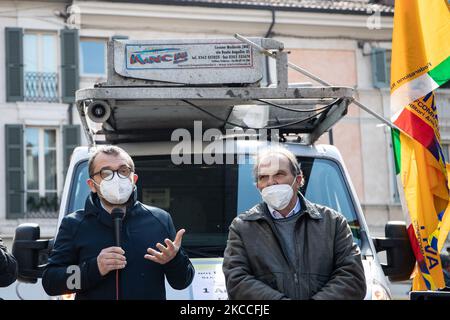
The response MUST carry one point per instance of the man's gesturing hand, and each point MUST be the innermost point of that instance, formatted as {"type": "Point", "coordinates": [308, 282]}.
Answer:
{"type": "Point", "coordinates": [166, 253]}
{"type": "Point", "coordinates": [111, 258]}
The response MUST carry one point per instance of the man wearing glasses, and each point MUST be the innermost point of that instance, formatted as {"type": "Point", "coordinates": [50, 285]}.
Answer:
{"type": "Point", "coordinates": [84, 259]}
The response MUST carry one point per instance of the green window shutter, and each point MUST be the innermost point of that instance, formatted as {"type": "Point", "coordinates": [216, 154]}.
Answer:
{"type": "Point", "coordinates": [69, 64]}
{"type": "Point", "coordinates": [380, 68]}
{"type": "Point", "coordinates": [15, 191]}
{"type": "Point", "coordinates": [71, 140]}
{"type": "Point", "coordinates": [14, 64]}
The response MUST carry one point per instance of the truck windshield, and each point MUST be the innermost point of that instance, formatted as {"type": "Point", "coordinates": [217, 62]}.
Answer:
{"type": "Point", "coordinates": [204, 199]}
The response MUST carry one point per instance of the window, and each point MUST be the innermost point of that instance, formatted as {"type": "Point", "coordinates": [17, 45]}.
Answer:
{"type": "Point", "coordinates": [381, 67]}
{"type": "Point", "coordinates": [40, 67]}
{"type": "Point", "coordinates": [200, 198]}
{"type": "Point", "coordinates": [205, 199]}
{"type": "Point", "coordinates": [93, 57]}
{"type": "Point", "coordinates": [41, 171]}
{"type": "Point", "coordinates": [388, 66]}
{"type": "Point", "coordinates": [324, 184]}
{"type": "Point", "coordinates": [33, 62]}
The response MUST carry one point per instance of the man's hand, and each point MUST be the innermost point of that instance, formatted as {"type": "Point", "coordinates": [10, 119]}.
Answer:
{"type": "Point", "coordinates": [111, 258]}
{"type": "Point", "coordinates": [167, 253]}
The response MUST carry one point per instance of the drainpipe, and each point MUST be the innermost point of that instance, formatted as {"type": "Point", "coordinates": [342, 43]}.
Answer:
{"type": "Point", "coordinates": [269, 31]}
{"type": "Point", "coordinates": [330, 136]}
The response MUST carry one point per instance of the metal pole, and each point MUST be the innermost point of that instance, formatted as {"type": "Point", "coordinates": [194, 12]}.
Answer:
{"type": "Point", "coordinates": [310, 75]}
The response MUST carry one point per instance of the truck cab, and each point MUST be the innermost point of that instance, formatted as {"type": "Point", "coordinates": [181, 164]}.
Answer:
{"type": "Point", "coordinates": [193, 128]}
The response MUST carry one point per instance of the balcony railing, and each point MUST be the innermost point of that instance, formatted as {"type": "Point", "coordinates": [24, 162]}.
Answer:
{"type": "Point", "coordinates": [41, 86]}
{"type": "Point", "coordinates": [42, 207]}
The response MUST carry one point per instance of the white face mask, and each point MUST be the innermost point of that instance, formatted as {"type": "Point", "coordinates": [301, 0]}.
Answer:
{"type": "Point", "coordinates": [116, 190]}
{"type": "Point", "coordinates": [278, 196]}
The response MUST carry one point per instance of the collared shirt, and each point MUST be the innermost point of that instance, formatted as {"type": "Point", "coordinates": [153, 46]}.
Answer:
{"type": "Point", "coordinates": [103, 206]}
{"type": "Point", "coordinates": [276, 215]}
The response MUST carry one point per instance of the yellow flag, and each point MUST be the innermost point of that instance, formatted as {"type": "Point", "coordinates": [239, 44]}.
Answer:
{"type": "Point", "coordinates": [420, 64]}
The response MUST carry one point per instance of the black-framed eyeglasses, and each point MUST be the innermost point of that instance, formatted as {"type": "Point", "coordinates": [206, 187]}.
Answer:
{"type": "Point", "coordinates": [108, 174]}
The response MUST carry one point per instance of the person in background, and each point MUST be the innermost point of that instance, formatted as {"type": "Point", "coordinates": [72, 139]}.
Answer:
{"type": "Point", "coordinates": [8, 266]}
{"type": "Point", "coordinates": [445, 260]}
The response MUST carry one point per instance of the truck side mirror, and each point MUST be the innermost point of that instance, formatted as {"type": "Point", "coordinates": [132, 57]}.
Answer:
{"type": "Point", "coordinates": [27, 249]}
{"type": "Point", "coordinates": [400, 257]}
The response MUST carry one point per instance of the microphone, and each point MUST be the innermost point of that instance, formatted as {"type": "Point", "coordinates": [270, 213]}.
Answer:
{"type": "Point", "coordinates": [117, 216]}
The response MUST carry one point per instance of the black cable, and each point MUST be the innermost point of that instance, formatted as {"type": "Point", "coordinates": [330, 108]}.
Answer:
{"type": "Point", "coordinates": [296, 110]}
{"type": "Point", "coordinates": [117, 285]}
{"type": "Point", "coordinates": [229, 115]}
{"type": "Point", "coordinates": [322, 110]}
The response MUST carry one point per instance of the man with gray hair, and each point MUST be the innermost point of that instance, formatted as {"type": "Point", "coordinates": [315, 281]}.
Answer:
{"type": "Point", "coordinates": [288, 247]}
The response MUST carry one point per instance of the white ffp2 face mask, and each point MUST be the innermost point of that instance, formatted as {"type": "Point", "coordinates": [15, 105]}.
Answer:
{"type": "Point", "coordinates": [116, 190]}
{"type": "Point", "coordinates": [278, 196]}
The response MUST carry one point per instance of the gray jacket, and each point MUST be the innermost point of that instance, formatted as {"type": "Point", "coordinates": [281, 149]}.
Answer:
{"type": "Point", "coordinates": [256, 265]}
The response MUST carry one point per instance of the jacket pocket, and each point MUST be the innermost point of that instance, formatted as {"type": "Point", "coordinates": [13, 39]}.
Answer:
{"type": "Point", "coordinates": [275, 280]}
{"type": "Point", "coordinates": [317, 282]}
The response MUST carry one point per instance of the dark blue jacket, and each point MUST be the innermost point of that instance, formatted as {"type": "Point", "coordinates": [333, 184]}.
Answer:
{"type": "Point", "coordinates": [84, 233]}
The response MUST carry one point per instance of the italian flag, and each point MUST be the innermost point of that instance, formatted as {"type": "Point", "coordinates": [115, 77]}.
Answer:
{"type": "Point", "coordinates": [420, 64]}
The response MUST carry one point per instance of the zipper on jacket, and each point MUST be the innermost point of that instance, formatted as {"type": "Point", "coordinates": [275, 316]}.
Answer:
{"type": "Point", "coordinates": [297, 258]}
{"type": "Point", "coordinates": [286, 257]}
{"type": "Point", "coordinates": [297, 254]}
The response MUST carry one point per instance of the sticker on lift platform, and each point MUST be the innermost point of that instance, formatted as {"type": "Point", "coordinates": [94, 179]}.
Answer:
{"type": "Point", "coordinates": [188, 56]}
{"type": "Point", "coordinates": [186, 61]}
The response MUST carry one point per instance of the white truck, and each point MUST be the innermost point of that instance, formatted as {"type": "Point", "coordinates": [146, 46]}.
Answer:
{"type": "Point", "coordinates": [192, 113]}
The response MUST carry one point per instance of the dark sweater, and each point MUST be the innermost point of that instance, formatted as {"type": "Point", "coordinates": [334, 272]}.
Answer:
{"type": "Point", "coordinates": [285, 228]}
